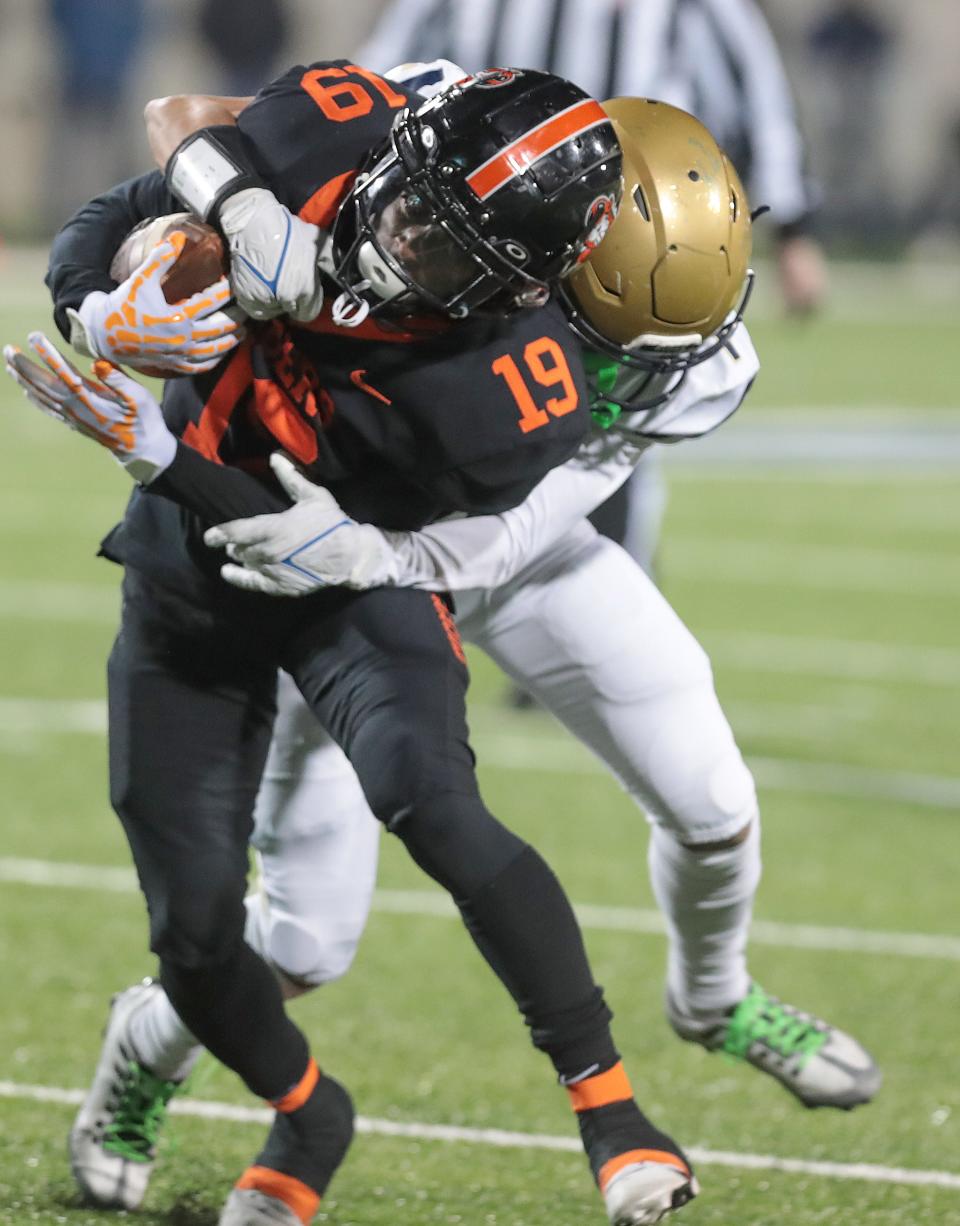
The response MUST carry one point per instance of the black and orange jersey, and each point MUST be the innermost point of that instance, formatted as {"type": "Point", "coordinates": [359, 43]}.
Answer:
{"type": "Point", "coordinates": [404, 429]}
{"type": "Point", "coordinates": [307, 134]}
{"type": "Point", "coordinates": [402, 434]}
{"type": "Point", "coordinates": [310, 131]}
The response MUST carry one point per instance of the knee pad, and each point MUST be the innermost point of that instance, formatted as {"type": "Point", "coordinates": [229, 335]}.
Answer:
{"type": "Point", "coordinates": [304, 954]}
{"type": "Point", "coordinates": [696, 783]}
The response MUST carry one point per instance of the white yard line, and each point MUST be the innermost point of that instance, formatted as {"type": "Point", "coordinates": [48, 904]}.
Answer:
{"type": "Point", "coordinates": [52, 874]}
{"type": "Point", "coordinates": [835, 567]}
{"type": "Point", "coordinates": [552, 751]}
{"type": "Point", "coordinates": [502, 1139]}
{"type": "Point", "coordinates": [849, 659]}
{"type": "Point", "coordinates": [42, 600]}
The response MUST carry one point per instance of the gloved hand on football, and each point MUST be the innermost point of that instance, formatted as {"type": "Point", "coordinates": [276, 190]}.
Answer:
{"type": "Point", "coordinates": [312, 545]}
{"type": "Point", "coordinates": [117, 412]}
{"type": "Point", "coordinates": [136, 326]}
{"type": "Point", "coordinates": [273, 257]}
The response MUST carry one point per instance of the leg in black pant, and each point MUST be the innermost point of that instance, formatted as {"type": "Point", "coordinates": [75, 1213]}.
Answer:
{"type": "Point", "coordinates": [386, 676]}
{"type": "Point", "coordinates": [190, 724]}
{"type": "Point", "coordinates": [191, 715]}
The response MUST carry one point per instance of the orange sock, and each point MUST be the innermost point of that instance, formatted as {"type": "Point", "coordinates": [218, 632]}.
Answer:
{"type": "Point", "coordinates": [297, 1096]}
{"type": "Point", "coordinates": [615, 1132]}
{"type": "Point", "coordinates": [297, 1196]}
{"type": "Point", "coordinates": [601, 1089]}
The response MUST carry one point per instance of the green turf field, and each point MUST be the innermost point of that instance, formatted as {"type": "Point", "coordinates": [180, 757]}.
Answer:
{"type": "Point", "coordinates": [830, 600]}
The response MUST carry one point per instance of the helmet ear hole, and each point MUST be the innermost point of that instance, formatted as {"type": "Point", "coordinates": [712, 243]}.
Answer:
{"type": "Point", "coordinates": [511, 166]}
{"type": "Point", "coordinates": [383, 281]}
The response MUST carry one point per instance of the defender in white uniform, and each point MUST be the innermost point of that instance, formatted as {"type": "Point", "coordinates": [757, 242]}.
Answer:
{"type": "Point", "coordinates": [575, 621]}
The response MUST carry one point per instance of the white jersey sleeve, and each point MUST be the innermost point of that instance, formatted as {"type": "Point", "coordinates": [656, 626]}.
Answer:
{"type": "Point", "coordinates": [487, 551]}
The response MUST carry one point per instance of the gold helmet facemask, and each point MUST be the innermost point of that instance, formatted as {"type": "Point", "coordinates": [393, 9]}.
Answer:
{"type": "Point", "coordinates": [669, 282]}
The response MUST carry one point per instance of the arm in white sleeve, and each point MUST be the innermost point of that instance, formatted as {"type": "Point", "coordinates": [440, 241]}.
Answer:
{"type": "Point", "coordinates": [486, 551]}
{"type": "Point", "coordinates": [315, 544]}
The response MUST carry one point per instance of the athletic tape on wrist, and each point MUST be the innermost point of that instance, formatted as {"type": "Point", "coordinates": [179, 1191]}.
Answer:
{"type": "Point", "coordinates": [209, 167]}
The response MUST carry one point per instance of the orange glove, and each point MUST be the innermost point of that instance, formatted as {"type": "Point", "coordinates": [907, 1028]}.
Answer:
{"type": "Point", "coordinates": [135, 325]}
{"type": "Point", "coordinates": [117, 413]}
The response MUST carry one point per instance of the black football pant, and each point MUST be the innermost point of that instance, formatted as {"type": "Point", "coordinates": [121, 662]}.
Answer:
{"type": "Point", "coordinates": [191, 713]}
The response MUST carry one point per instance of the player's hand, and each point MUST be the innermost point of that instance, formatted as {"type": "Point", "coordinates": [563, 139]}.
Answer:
{"type": "Point", "coordinates": [135, 326]}
{"type": "Point", "coordinates": [117, 413]}
{"type": "Point", "coordinates": [273, 257]}
{"type": "Point", "coordinates": [803, 274]}
{"type": "Point", "coordinates": [313, 545]}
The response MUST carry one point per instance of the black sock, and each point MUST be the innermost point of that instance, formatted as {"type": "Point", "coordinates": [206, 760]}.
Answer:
{"type": "Point", "coordinates": [612, 1126]}
{"type": "Point", "coordinates": [310, 1142]}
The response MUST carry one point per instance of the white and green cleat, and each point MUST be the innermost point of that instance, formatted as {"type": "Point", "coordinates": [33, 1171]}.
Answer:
{"type": "Point", "coordinates": [816, 1062]}
{"type": "Point", "coordinates": [113, 1141]}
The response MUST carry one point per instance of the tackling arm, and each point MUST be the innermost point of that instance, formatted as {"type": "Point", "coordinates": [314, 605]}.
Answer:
{"type": "Point", "coordinates": [171, 120]}
{"type": "Point", "coordinates": [315, 544]}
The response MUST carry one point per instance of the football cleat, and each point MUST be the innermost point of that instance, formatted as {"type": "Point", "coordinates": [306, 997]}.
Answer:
{"type": "Point", "coordinates": [248, 1207]}
{"type": "Point", "coordinates": [113, 1140]}
{"type": "Point", "coordinates": [816, 1062]}
{"type": "Point", "coordinates": [645, 1191]}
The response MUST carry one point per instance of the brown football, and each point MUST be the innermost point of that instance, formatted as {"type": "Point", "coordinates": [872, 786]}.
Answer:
{"type": "Point", "coordinates": [202, 261]}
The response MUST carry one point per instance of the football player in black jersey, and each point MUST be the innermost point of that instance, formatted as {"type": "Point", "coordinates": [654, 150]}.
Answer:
{"type": "Point", "coordinates": [422, 389]}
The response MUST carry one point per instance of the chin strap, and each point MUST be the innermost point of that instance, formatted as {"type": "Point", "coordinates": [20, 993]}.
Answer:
{"type": "Point", "coordinates": [348, 311]}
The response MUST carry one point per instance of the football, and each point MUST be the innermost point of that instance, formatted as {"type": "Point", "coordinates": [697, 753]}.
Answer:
{"type": "Point", "coordinates": [202, 261]}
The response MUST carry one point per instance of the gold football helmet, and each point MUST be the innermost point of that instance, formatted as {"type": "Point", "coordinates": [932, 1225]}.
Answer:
{"type": "Point", "coordinates": [672, 272]}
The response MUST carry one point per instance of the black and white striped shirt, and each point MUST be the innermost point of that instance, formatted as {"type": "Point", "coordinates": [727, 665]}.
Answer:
{"type": "Point", "coordinates": [716, 58]}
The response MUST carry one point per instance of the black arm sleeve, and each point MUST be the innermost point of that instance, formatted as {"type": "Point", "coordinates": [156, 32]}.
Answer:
{"type": "Point", "coordinates": [215, 492]}
{"type": "Point", "coordinates": [81, 253]}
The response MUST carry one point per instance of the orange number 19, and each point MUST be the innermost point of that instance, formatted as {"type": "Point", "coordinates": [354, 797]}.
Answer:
{"type": "Point", "coordinates": [556, 374]}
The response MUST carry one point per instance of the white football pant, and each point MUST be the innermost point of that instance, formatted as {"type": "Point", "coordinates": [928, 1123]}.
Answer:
{"type": "Point", "coordinates": [589, 635]}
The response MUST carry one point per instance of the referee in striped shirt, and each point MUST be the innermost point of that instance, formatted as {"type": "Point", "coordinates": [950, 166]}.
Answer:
{"type": "Point", "coordinates": [715, 58]}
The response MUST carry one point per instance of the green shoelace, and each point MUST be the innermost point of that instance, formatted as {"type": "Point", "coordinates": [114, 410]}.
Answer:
{"type": "Point", "coordinates": [762, 1018]}
{"type": "Point", "coordinates": [135, 1129]}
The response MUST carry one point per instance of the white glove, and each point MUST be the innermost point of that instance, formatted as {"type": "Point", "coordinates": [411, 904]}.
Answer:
{"type": "Point", "coordinates": [273, 257]}
{"type": "Point", "coordinates": [312, 545]}
{"type": "Point", "coordinates": [121, 416]}
{"type": "Point", "coordinates": [136, 326]}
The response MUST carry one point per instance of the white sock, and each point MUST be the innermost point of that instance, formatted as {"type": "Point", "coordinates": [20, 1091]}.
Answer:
{"type": "Point", "coordinates": [706, 899]}
{"type": "Point", "coordinates": [162, 1043]}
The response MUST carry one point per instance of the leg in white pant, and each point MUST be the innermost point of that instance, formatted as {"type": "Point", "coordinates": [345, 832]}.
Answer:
{"type": "Point", "coordinates": [589, 635]}
{"type": "Point", "coordinates": [317, 844]}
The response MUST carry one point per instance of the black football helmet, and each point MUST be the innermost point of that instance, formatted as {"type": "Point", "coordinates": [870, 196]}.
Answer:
{"type": "Point", "coordinates": [480, 198]}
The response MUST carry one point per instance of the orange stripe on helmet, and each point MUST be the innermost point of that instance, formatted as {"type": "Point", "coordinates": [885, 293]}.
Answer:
{"type": "Point", "coordinates": [534, 145]}
{"type": "Point", "coordinates": [296, 1195]}
{"type": "Point", "coordinates": [613, 1086]}
{"type": "Point", "coordinates": [634, 1157]}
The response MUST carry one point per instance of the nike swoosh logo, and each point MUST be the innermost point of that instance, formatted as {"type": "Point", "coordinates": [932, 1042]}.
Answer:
{"type": "Point", "coordinates": [356, 378]}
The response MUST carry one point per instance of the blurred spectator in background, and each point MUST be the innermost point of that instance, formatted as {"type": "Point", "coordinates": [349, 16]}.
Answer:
{"type": "Point", "coordinates": [850, 49]}
{"type": "Point", "coordinates": [715, 58]}
{"type": "Point", "coordinates": [937, 219]}
{"type": "Point", "coordinates": [246, 38]}
{"type": "Point", "coordinates": [96, 43]}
